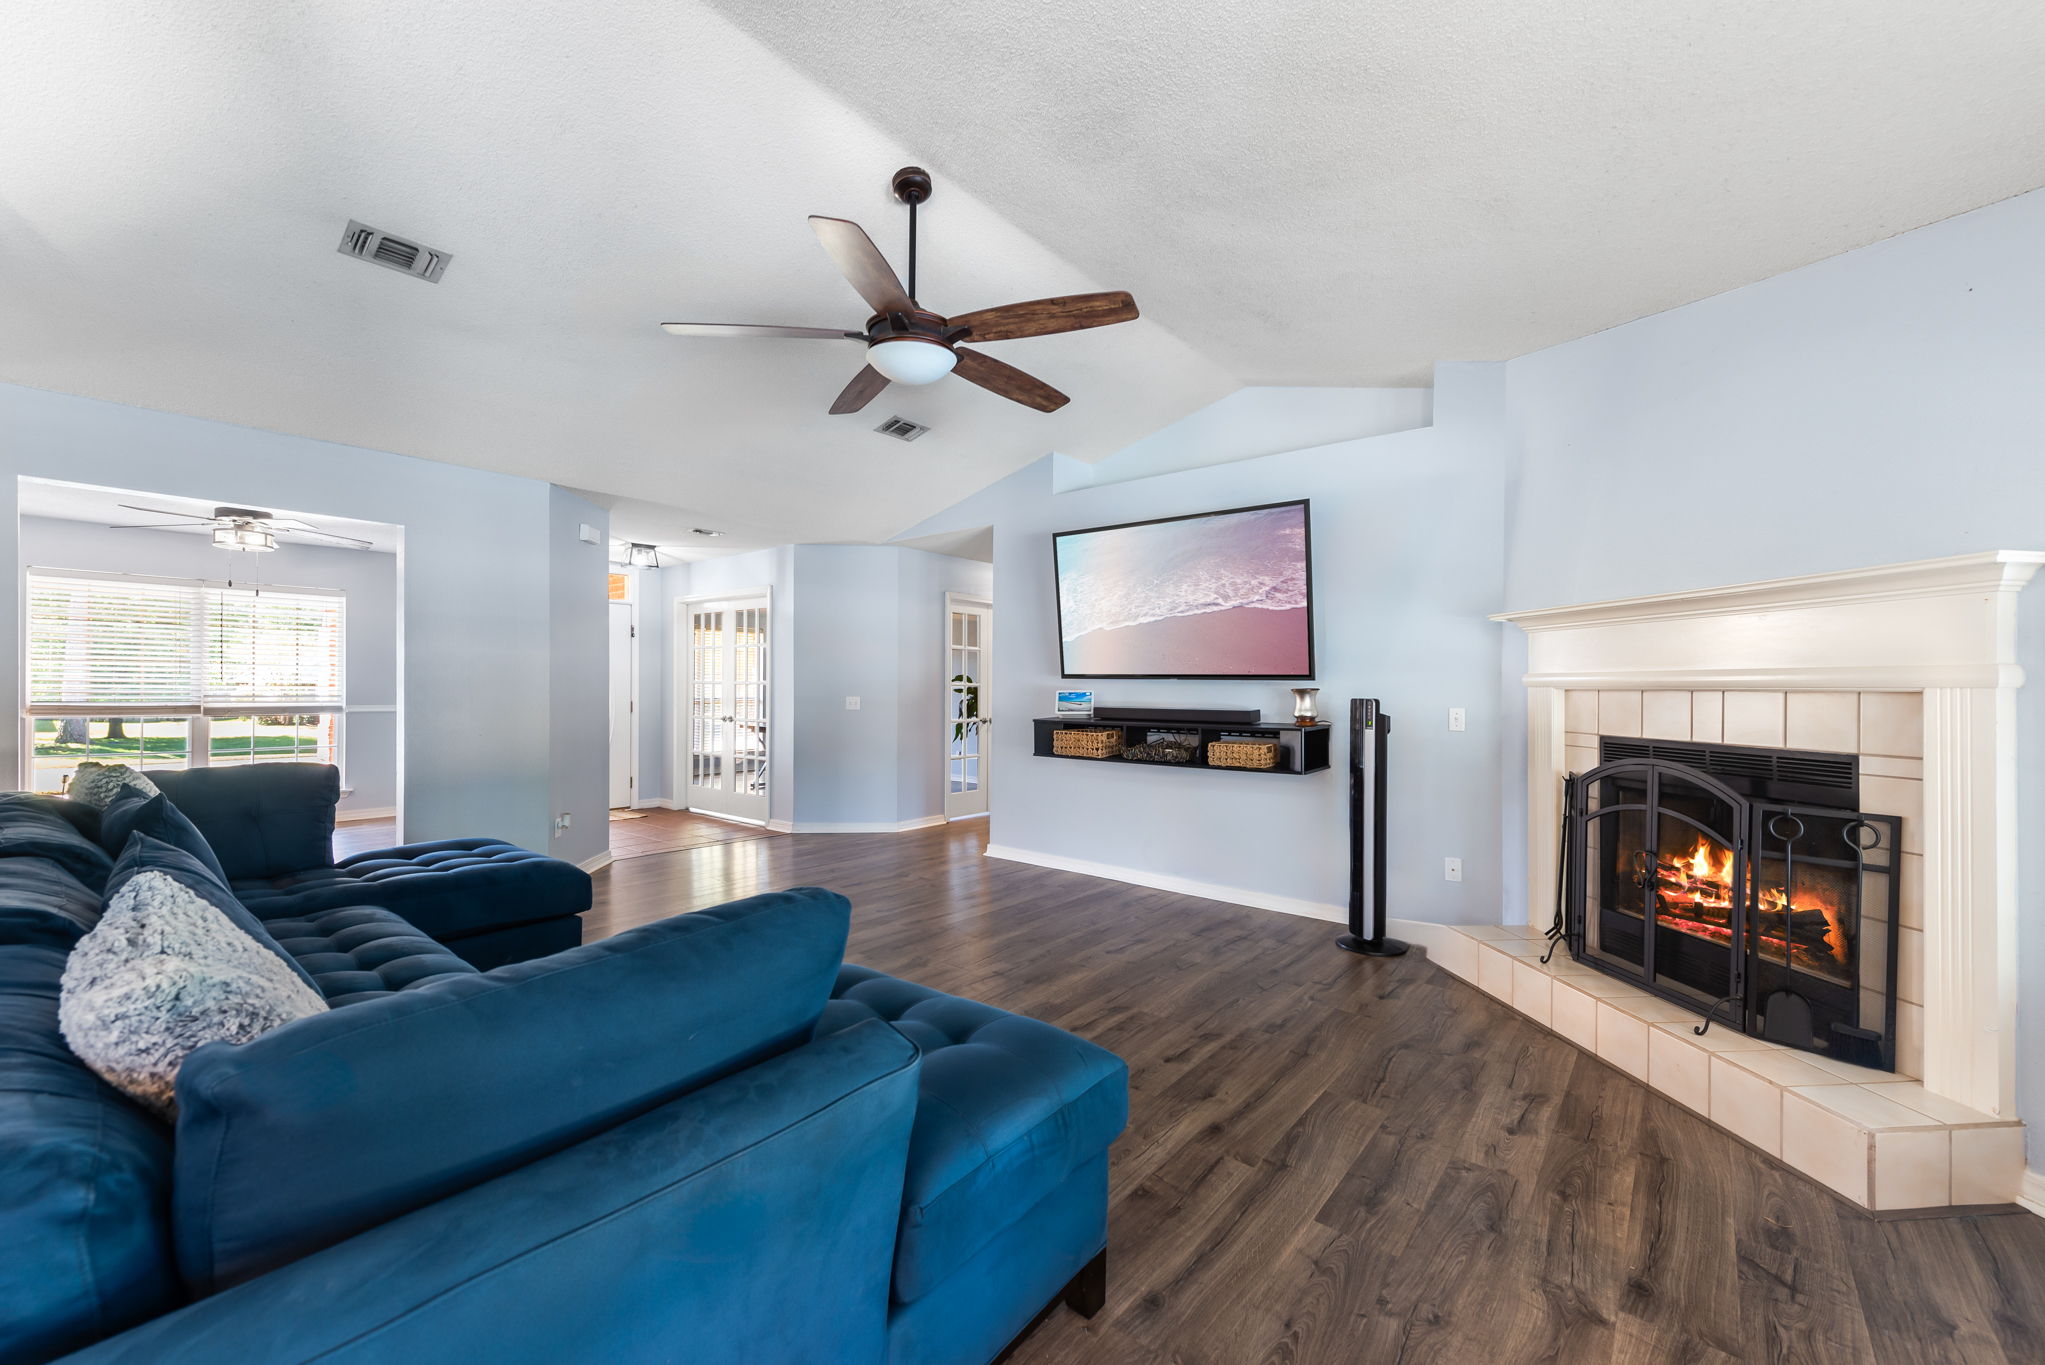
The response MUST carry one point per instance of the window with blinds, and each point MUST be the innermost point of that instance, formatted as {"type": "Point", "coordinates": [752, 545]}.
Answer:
{"type": "Point", "coordinates": [101, 645]}
{"type": "Point", "coordinates": [168, 673]}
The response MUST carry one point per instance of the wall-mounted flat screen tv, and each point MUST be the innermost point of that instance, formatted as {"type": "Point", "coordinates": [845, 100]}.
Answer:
{"type": "Point", "coordinates": [1214, 595]}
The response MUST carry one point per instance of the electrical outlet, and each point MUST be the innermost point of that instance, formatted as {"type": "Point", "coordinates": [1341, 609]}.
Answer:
{"type": "Point", "coordinates": [1456, 718]}
{"type": "Point", "coordinates": [1451, 869]}
{"type": "Point", "coordinates": [851, 703]}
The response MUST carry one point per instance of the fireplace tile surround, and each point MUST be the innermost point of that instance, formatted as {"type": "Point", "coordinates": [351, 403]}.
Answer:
{"type": "Point", "coordinates": [1912, 668]}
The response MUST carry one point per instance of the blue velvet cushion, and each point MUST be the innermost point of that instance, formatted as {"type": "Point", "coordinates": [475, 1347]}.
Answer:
{"type": "Point", "coordinates": [745, 1223]}
{"type": "Point", "coordinates": [261, 819]}
{"type": "Point", "coordinates": [146, 854]}
{"type": "Point", "coordinates": [42, 901]}
{"type": "Point", "coordinates": [362, 952]}
{"type": "Point", "coordinates": [331, 1124]}
{"type": "Point", "coordinates": [34, 826]}
{"type": "Point", "coordinates": [134, 811]}
{"type": "Point", "coordinates": [1009, 1108]}
{"type": "Point", "coordinates": [449, 888]}
{"type": "Point", "coordinates": [84, 1183]}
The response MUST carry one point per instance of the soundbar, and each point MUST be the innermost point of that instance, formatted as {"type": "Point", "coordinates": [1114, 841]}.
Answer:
{"type": "Point", "coordinates": [1179, 715]}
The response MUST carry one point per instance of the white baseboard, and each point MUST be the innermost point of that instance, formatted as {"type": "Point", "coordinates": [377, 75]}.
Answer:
{"type": "Point", "coordinates": [597, 863]}
{"type": "Point", "coordinates": [1421, 933]}
{"type": "Point", "coordinates": [654, 803]}
{"type": "Point", "coordinates": [2031, 1191]}
{"type": "Point", "coordinates": [1184, 886]}
{"type": "Point", "coordinates": [854, 827]}
{"type": "Point", "coordinates": [357, 814]}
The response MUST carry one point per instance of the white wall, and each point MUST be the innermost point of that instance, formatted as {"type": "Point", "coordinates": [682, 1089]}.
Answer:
{"type": "Point", "coordinates": [369, 735]}
{"type": "Point", "coordinates": [1408, 545]}
{"type": "Point", "coordinates": [477, 612]}
{"type": "Point", "coordinates": [1881, 406]}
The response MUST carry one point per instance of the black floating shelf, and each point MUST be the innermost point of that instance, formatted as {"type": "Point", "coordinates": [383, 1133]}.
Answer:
{"type": "Point", "coordinates": [1302, 749]}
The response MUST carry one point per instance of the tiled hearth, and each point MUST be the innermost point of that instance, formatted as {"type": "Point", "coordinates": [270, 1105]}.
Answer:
{"type": "Point", "coordinates": [1883, 1141]}
{"type": "Point", "coordinates": [1911, 667]}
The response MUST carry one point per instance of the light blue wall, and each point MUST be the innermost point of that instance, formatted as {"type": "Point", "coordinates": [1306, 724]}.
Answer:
{"type": "Point", "coordinates": [476, 621]}
{"type": "Point", "coordinates": [1881, 406]}
{"type": "Point", "coordinates": [369, 737]}
{"type": "Point", "coordinates": [1408, 560]}
{"type": "Point", "coordinates": [845, 646]}
{"type": "Point", "coordinates": [578, 674]}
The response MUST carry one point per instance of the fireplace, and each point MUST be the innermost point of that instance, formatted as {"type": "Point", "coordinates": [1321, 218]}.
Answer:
{"type": "Point", "coordinates": [1743, 883]}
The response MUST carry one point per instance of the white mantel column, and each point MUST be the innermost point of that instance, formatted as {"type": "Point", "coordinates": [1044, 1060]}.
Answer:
{"type": "Point", "coordinates": [1970, 896]}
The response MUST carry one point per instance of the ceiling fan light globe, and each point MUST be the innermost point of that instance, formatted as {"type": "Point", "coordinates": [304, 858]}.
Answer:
{"type": "Point", "coordinates": [248, 538]}
{"type": "Point", "coordinates": [911, 360]}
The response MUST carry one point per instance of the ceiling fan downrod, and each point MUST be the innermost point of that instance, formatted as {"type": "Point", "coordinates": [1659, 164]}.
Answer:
{"type": "Point", "coordinates": [912, 186]}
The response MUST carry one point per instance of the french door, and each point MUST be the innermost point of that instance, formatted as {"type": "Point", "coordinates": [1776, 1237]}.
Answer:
{"type": "Point", "coordinates": [724, 706]}
{"type": "Point", "coordinates": [968, 650]}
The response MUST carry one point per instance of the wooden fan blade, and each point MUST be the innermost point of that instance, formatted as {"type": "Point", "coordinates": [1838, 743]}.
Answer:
{"type": "Point", "coordinates": [1006, 380]}
{"type": "Point", "coordinates": [742, 329]}
{"type": "Point", "coordinates": [1043, 317]}
{"type": "Point", "coordinates": [861, 263]}
{"type": "Point", "coordinates": [860, 391]}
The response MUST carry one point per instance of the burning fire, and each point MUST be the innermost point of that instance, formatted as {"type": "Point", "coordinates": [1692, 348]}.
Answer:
{"type": "Point", "coordinates": [1696, 894]}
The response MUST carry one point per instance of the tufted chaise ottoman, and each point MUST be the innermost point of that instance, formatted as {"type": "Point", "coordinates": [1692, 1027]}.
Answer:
{"type": "Point", "coordinates": [490, 901]}
{"type": "Point", "coordinates": [1005, 1200]}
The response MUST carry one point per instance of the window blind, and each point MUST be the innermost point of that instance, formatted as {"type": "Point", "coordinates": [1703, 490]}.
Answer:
{"type": "Point", "coordinates": [110, 645]}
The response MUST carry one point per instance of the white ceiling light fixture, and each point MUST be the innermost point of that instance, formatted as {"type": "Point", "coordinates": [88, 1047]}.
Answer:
{"type": "Point", "coordinates": [243, 536]}
{"type": "Point", "coordinates": [705, 531]}
{"type": "Point", "coordinates": [912, 360]}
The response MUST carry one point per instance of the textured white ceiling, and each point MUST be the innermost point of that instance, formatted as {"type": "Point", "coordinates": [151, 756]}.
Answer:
{"type": "Point", "coordinates": [1346, 191]}
{"type": "Point", "coordinates": [174, 178]}
{"type": "Point", "coordinates": [1308, 193]}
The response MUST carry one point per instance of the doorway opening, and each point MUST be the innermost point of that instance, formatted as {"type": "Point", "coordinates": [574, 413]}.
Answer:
{"type": "Point", "coordinates": [968, 661]}
{"type": "Point", "coordinates": [721, 704]}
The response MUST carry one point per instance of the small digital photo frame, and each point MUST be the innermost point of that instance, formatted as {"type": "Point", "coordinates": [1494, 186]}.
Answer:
{"type": "Point", "coordinates": [1080, 704]}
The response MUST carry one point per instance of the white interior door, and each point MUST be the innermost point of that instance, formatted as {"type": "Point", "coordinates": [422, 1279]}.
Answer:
{"type": "Point", "coordinates": [624, 703]}
{"type": "Point", "coordinates": [968, 653]}
{"type": "Point", "coordinates": [725, 708]}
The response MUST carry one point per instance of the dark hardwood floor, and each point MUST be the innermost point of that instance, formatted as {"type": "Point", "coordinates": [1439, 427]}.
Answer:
{"type": "Point", "coordinates": [1339, 1159]}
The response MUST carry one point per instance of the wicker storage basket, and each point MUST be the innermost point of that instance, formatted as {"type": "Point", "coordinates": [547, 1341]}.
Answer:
{"type": "Point", "coordinates": [1086, 743]}
{"type": "Point", "coordinates": [1242, 753]}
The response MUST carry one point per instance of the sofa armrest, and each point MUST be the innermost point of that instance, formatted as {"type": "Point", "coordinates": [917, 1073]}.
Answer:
{"type": "Point", "coordinates": [751, 1220]}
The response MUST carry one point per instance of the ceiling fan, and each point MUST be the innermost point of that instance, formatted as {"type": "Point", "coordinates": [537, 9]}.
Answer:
{"type": "Point", "coordinates": [239, 528]}
{"type": "Point", "coordinates": [908, 344]}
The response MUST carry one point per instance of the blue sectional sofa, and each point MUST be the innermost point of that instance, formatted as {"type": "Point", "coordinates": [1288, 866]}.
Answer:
{"type": "Point", "coordinates": [705, 1139]}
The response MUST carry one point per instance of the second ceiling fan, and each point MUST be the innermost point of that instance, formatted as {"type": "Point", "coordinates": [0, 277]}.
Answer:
{"type": "Point", "coordinates": [908, 344]}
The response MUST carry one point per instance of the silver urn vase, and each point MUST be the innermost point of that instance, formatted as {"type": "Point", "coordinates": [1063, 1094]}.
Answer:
{"type": "Point", "coordinates": [1306, 705]}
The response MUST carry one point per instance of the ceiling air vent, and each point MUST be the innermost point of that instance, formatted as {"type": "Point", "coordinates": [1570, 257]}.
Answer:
{"type": "Point", "coordinates": [901, 428]}
{"type": "Point", "coordinates": [393, 253]}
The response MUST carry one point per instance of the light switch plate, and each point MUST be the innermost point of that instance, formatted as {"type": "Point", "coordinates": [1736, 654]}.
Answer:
{"type": "Point", "coordinates": [1456, 718]}
{"type": "Point", "coordinates": [851, 703]}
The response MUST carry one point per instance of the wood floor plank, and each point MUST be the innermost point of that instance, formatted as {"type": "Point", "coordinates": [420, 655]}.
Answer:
{"type": "Point", "coordinates": [1335, 1160]}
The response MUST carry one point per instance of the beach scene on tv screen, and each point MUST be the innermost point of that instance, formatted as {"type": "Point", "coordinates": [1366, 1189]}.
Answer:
{"type": "Point", "coordinates": [1215, 595]}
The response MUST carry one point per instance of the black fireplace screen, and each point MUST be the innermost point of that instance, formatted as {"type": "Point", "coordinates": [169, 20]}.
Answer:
{"type": "Point", "coordinates": [1775, 917]}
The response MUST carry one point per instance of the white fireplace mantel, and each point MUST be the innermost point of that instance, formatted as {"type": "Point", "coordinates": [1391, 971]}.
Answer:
{"type": "Point", "coordinates": [1942, 627]}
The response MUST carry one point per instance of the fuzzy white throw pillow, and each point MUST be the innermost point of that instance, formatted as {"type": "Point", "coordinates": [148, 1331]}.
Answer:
{"type": "Point", "coordinates": [161, 973]}
{"type": "Point", "coordinates": [97, 784]}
